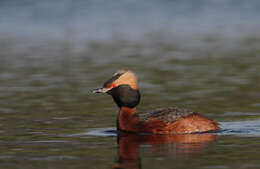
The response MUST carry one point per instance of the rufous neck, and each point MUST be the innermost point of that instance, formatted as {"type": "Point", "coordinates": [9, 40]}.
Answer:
{"type": "Point", "coordinates": [127, 110]}
{"type": "Point", "coordinates": [127, 119]}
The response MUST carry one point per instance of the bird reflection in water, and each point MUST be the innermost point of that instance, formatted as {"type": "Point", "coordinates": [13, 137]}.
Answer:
{"type": "Point", "coordinates": [129, 145]}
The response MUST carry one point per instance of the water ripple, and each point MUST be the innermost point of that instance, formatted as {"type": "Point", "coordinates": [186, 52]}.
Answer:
{"type": "Point", "coordinates": [239, 128]}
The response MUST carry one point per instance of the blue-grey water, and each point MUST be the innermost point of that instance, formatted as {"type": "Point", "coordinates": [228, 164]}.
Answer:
{"type": "Point", "coordinates": [203, 55]}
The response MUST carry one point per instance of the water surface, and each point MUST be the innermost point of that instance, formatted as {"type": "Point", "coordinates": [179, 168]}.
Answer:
{"type": "Point", "coordinates": [201, 55]}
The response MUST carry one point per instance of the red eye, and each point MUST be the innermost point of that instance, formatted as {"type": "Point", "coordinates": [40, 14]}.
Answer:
{"type": "Point", "coordinates": [110, 85]}
{"type": "Point", "coordinates": [113, 85]}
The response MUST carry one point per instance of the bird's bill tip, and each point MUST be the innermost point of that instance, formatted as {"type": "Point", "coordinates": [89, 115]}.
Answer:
{"type": "Point", "coordinates": [101, 90]}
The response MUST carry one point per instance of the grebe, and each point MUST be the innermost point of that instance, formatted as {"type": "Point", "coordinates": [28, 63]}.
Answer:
{"type": "Point", "coordinates": [123, 88]}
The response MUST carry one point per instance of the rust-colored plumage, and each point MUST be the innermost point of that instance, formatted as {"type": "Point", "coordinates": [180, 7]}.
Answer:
{"type": "Point", "coordinates": [124, 90]}
{"type": "Point", "coordinates": [128, 120]}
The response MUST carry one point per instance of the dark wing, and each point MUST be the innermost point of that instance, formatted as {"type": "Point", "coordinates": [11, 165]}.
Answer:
{"type": "Point", "coordinates": [165, 114]}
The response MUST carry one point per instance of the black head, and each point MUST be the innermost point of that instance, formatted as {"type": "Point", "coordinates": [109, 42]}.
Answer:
{"type": "Point", "coordinates": [123, 88]}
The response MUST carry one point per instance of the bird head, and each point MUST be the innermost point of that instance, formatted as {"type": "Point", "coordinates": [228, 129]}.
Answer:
{"type": "Point", "coordinates": [123, 87]}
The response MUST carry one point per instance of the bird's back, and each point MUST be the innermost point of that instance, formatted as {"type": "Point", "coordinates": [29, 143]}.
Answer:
{"type": "Point", "coordinates": [167, 115]}
{"type": "Point", "coordinates": [175, 120]}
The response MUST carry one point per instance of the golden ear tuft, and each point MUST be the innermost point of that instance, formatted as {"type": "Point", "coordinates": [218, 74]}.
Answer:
{"type": "Point", "coordinates": [127, 77]}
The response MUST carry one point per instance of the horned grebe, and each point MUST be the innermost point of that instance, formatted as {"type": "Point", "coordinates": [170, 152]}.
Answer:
{"type": "Point", "coordinates": [123, 88]}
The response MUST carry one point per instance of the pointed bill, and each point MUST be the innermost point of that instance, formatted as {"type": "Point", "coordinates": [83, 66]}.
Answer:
{"type": "Point", "coordinates": [101, 90]}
